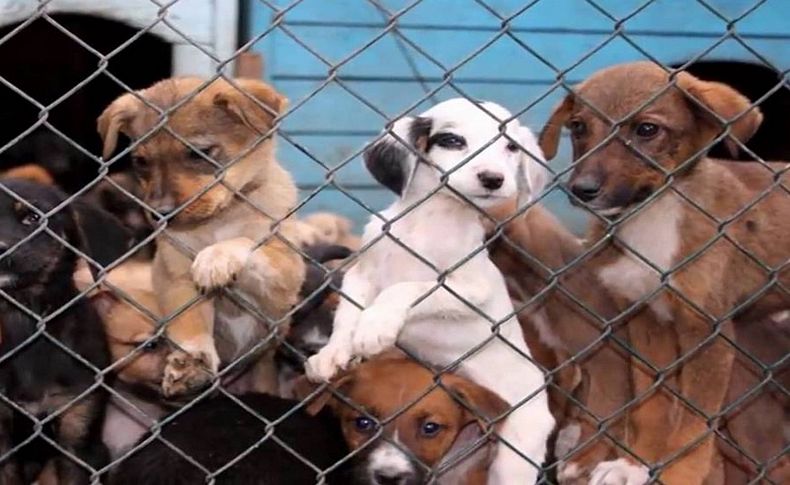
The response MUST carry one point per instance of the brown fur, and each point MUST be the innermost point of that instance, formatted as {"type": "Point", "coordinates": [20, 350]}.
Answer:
{"type": "Point", "coordinates": [226, 124]}
{"type": "Point", "coordinates": [755, 427]}
{"type": "Point", "coordinates": [31, 172]}
{"type": "Point", "coordinates": [329, 228]}
{"type": "Point", "coordinates": [384, 386]}
{"type": "Point", "coordinates": [532, 253]}
{"type": "Point", "coordinates": [717, 280]}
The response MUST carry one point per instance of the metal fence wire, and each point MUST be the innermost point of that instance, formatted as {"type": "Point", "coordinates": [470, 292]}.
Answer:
{"type": "Point", "coordinates": [38, 418]}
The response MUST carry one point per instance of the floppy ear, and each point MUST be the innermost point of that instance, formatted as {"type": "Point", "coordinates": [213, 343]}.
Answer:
{"type": "Point", "coordinates": [116, 119]}
{"type": "Point", "coordinates": [480, 404]}
{"type": "Point", "coordinates": [304, 388]}
{"type": "Point", "coordinates": [532, 175]}
{"type": "Point", "coordinates": [255, 104]}
{"type": "Point", "coordinates": [549, 138]}
{"type": "Point", "coordinates": [727, 103]}
{"type": "Point", "coordinates": [390, 162]}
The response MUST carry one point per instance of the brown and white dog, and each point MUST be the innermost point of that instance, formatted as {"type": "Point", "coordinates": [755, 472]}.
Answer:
{"type": "Point", "coordinates": [693, 240]}
{"type": "Point", "coordinates": [407, 429]}
{"type": "Point", "coordinates": [220, 203]}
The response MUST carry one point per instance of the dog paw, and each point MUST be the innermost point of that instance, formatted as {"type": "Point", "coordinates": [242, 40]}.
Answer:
{"type": "Point", "coordinates": [323, 366]}
{"type": "Point", "coordinates": [619, 472]}
{"type": "Point", "coordinates": [218, 265]}
{"type": "Point", "coordinates": [570, 473]}
{"type": "Point", "coordinates": [377, 331]}
{"type": "Point", "coordinates": [185, 373]}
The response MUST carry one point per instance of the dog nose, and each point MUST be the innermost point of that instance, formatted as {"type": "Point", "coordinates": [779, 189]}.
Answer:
{"type": "Point", "coordinates": [390, 478]}
{"type": "Point", "coordinates": [586, 188]}
{"type": "Point", "coordinates": [491, 180]}
{"type": "Point", "coordinates": [164, 207]}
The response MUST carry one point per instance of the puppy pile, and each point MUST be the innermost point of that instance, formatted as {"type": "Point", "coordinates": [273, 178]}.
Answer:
{"type": "Point", "coordinates": [178, 323]}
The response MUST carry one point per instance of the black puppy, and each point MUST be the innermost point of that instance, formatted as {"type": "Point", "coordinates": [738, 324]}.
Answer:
{"type": "Point", "coordinates": [311, 324]}
{"type": "Point", "coordinates": [41, 312]}
{"type": "Point", "coordinates": [217, 431]}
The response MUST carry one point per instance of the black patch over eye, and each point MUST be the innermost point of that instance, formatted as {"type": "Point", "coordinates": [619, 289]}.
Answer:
{"type": "Point", "coordinates": [430, 429]}
{"type": "Point", "coordinates": [578, 128]}
{"type": "Point", "coordinates": [364, 424]}
{"type": "Point", "coordinates": [647, 130]}
{"type": "Point", "coordinates": [449, 141]}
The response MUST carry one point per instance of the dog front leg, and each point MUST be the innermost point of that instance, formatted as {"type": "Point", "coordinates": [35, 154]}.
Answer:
{"type": "Point", "coordinates": [654, 346]}
{"type": "Point", "coordinates": [704, 380]}
{"type": "Point", "coordinates": [380, 323]}
{"type": "Point", "coordinates": [195, 361]}
{"type": "Point", "coordinates": [273, 272]}
{"type": "Point", "coordinates": [356, 293]}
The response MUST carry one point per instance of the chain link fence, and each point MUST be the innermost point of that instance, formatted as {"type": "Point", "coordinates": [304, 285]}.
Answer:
{"type": "Point", "coordinates": [203, 422]}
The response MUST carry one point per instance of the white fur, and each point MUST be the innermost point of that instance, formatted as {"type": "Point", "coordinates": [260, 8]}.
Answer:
{"type": "Point", "coordinates": [389, 460]}
{"type": "Point", "coordinates": [619, 472]}
{"type": "Point", "coordinates": [387, 280]}
{"type": "Point", "coordinates": [652, 234]}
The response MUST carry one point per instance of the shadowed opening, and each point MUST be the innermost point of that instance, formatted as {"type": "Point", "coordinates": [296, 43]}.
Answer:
{"type": "Point", "coordinates": [46, 64]}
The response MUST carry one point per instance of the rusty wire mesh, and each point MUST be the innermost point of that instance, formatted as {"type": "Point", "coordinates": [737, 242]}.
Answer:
{"type": "Point", "coordinates": [553, 277]}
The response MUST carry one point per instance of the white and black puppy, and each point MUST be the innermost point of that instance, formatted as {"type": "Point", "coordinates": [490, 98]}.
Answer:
{"type": "Point", "coordinates": [442, 298]}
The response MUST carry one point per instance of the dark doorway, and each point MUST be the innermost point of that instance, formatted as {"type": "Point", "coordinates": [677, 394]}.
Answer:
{"type": "Point", "coordinates": [46, 64]}
{"type": "Point", "coordinates": [772, 140]}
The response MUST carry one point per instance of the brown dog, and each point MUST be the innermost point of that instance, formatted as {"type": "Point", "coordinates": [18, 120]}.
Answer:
{"type": "Point", "coordinates": [220, 202]}
{"type": "Point", "coordinates": [702, 245]}
{"type": "Point", "coordinates": [566, 318]}
{"type": "Point", "coordinates": [426, 430]}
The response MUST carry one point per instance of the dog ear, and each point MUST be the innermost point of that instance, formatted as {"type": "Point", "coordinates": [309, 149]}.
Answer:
{"type": "Point", "coordinates": [116, 119]}
{"type": "Point", "coordinates": [254, 103]}
{"type": "Point", "coordinates": [549, 138]}
{"type": "Point", "coordinates": [390, 162]}
{"type": "Point", "coordinates": [304, 388]}
{"type": "Point", "coordinates": [531, 176]}
{"type": "Point", "coordinates": [480, 404]}
{"type": "Point", "coordinates": [735, 108]}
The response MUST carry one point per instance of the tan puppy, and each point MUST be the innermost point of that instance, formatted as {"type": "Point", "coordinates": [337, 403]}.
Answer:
{"type": "Point", "coordinates": [221, 212]}
{"type": "Point", "coordinates": [426, 430]}
{"type": "Point", "coordinates": [668, 258]}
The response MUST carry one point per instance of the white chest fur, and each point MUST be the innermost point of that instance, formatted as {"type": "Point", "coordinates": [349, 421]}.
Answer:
{"type": "Point", "coordinates": [651, 243]}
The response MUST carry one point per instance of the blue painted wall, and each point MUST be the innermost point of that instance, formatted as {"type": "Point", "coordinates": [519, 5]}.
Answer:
{"type": "Point", "coordinates": [346, 73]}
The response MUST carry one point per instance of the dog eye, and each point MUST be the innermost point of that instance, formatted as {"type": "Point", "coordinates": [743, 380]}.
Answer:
{"type": "Point", "coordinates": [647, 130]}
{"type": "Point", "coordinates": [364, 424]}
{"type": "Point", "coordinates": [29, 218]}
{"type": "Point", "coordinates": [448, 140]}
{"type": "Point", "coordinates": [212, 152]}
{"type": "Point", "coordinates": [430, 429]}
{"type": "Point", "coordinates": [512, 147]}
{"type": "Point", "coordinates": [578, 128]}
{"type": "Point", "coordinates": [151, 345]}
{"type": "Point", "coordinates": [139, 163]}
